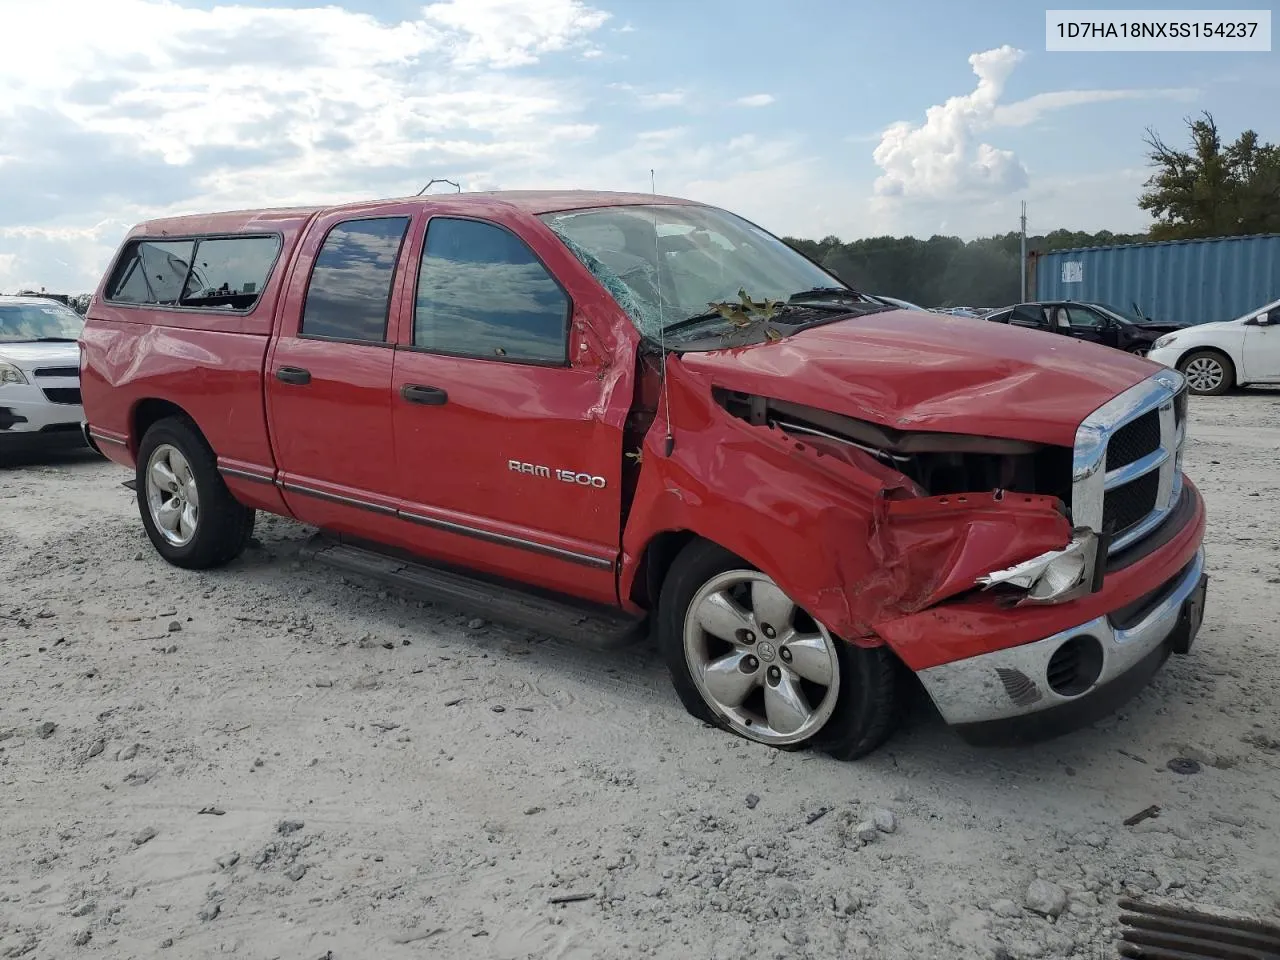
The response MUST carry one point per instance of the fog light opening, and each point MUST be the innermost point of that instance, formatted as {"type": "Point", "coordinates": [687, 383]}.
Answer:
{"type": "Point", "coordinates": [1075, 666]}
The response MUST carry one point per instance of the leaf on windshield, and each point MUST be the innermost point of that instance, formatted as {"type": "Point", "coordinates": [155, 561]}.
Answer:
{"type": "Point", "coordinates": [746, 310]}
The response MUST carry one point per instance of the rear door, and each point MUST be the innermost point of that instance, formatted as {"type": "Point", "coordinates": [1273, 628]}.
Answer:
{"type": "Point", "coordinates": [1030, 315]}
{"type": "Point", "coordinates": [328, 381]}
{"type": "Point", "coordinates": [509, 455]}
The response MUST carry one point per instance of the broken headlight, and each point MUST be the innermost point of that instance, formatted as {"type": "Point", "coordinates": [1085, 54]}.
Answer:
{"type": "Point", "coordinates": [1053, 577]}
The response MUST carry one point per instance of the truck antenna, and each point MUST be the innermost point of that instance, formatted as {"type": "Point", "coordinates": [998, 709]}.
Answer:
{"type": "Point", "coordinates": [669, 442]}
{"type": "Point", "coordinates": [431, 183]}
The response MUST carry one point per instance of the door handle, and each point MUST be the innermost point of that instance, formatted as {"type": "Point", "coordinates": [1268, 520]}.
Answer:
{"type": "Point", "coordinates": [430, 396]}
{"type": "Point", "coordinates": [293, 375]}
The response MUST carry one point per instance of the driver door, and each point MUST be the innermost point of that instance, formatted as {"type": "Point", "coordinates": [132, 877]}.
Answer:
{"type": "Point", "coordinates": [1261, 354]}
{"type": "Point", "coordinates": [1085, 324]}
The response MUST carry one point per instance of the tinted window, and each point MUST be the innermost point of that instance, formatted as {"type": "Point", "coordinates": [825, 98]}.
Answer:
{"type": "Point", "coordinates": [152, 272]}
{"type": "Point", "coordinates": [1028, 315]}
{"type": "Point", "coordinates": [230, 272]}
{"type": "Point", "coordinates": [482, 293]}
{"type": "Point", "coordinates": [350, 289]}
{"type": "Point", "coordinates": [1080, 317]}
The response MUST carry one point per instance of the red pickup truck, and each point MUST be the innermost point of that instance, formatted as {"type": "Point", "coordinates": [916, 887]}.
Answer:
{"type": "Point", "coordinates": [599, 412]}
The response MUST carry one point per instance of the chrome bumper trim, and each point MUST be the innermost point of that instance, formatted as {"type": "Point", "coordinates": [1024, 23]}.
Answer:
{"type": "Point", "coordinates": [991, 686]}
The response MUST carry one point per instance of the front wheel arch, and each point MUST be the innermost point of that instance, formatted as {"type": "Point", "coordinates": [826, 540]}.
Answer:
{"type": "Point", "coordinates": [1228, 365]}
{"type": "Point", "coordinates": [871, 691]}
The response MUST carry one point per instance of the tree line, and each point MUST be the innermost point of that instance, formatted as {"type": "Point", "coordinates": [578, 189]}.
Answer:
{"type": "Point", "coordinates": [1210, 189]}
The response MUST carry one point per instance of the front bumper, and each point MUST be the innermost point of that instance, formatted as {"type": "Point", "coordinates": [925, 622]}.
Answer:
{"type": "Point", "coordinates": [25, 409]}
{"type": "Point", "coordinates": [1165, 356]}
{"type": "Point", "coordinates": [1041, 689]}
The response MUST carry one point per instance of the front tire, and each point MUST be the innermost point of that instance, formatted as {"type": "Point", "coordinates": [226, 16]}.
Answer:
{"type": "Point", "coordinates": [745, 658]}
{"type": "Point", "coordinates": [1208, 373]}
{"type": "Point", "coordinates": [190, 516]}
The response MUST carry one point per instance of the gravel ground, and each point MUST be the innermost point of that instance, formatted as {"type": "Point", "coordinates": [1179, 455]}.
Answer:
{"type": "Point", "coordinates": [272, 761]}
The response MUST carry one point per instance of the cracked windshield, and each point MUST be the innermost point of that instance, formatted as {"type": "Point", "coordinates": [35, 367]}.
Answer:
{"type": "Point", "coordinates": [667, 264]}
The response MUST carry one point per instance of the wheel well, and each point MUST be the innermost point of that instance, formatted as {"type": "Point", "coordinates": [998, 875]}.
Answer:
{"type": "Point", "coordinates": [148, 412]}
{"type": "Point", "coordinates": [659, 553]}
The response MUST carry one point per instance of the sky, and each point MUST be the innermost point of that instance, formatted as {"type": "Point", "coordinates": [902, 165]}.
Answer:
{"type": "Point", "coordinates": [811, 118]}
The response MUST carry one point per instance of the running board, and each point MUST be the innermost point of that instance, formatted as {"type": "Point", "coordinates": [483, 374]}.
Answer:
{"type": "Point", "coordinates": [592, 626]}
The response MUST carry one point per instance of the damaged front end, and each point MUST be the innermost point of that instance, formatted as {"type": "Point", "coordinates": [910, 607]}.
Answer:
{"type": "Point", "coordinates": [956, 513]}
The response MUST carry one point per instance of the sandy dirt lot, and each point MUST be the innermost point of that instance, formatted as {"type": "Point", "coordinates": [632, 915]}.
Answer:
{"type": "Point", "coordinates": [272, 761]}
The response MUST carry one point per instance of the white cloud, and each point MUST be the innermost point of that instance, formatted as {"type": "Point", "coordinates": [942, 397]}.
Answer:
{"type": "Point", "coordinates": [657, 101]}
{"type": "Point", "coordinates": [756, 100]}
{"type": "Point", "coordinates": [145, 107]}
{"type": "Point", "coordinates": [510, 33]}
{"type": "Point", "coordinates": [942, 157]}
{"type": "Point", "coordinates": [946, 159]}
{"type": "Point", "coordinates": [1028, 111]}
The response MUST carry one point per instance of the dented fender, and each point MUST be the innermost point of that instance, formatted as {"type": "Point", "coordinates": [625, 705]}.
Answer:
{"type": "Point", "coordinates": [852, 541]}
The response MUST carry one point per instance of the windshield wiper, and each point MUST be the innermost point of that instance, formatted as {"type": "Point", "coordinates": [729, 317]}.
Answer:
{"type": "Point", "coordinates": [828, 293]}
{"type": "Point", "coordinates": [53, 340]}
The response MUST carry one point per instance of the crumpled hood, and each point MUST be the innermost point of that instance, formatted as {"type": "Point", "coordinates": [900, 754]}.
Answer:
{"type": "Point", "coordinates": [31, 355]}
{"type": "Point", "coordinates": [914, 371]}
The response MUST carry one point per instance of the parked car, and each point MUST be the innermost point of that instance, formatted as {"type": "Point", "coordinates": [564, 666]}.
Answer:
{"type": "Point", "coordinates": [1094, 322]}
{"type": "Point", "coordinates": [1215, 357]}
{"type": "Point", "coordinates": [39, 373]}
{"type": "Point", "coordinates": [602, 412]}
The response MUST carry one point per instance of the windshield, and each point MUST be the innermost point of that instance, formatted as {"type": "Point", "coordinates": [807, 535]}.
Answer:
{"type": "Point", "coordinates": [668, 262]}
{"type": "Point", "coordinates": [21, 322]}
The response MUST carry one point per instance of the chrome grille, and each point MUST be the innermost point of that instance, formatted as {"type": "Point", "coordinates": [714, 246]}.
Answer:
{"type": "Point", "coordinates": [1127, 470]}
{"type": "Point", "coordinates": [1125, 507]}
{"type": "Point", "coordinates": [1135, 440]}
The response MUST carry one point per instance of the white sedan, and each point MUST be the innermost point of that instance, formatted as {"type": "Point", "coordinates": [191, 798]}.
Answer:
{"type": "Point", "coordinates": [1215, 357]}
{"type": "Point", "coordinates": [39, 373]}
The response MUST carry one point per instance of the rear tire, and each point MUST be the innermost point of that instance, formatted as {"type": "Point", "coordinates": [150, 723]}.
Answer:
{"type": "Point", "coordinates": [795, 685]}
{"type": "Point", "coordinates": [1208, 373]}
{"type": "Point", "coordinates": [190, 516]}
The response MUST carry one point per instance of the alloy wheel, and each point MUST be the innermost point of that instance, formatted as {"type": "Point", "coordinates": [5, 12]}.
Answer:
{"type": "Point", "coordinates": [762, 664]}
{"type": "Point", "coordinates": [1204, 374]}
{"type": "Point", "coordinates": [172, 496]}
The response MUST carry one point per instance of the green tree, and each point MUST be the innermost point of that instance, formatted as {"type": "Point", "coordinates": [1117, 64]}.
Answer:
{"type": "Point", "coordinates": [1212, 190]}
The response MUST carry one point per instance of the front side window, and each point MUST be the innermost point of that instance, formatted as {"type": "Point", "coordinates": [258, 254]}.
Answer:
{"type": "Point", "coordinates": [25, 322]}
{"type": "Point", "coordinates": [483, 293]}
{"type": "Point", "coordinates": [1084, 319]}
{"type": "Point", "coordinates": [665, 263]}
{"type": "Point", "coordinates": [350, 291]}
{"type": "Point", "coordinates": [225, 273]}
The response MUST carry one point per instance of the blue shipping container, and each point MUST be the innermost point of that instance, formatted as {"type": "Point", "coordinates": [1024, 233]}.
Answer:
{"type": "Point", "coordinates": [1190, 281]}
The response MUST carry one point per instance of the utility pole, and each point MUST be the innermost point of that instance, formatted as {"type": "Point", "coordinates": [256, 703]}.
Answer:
{"type": "Point", "coordinates": [1023, 259]}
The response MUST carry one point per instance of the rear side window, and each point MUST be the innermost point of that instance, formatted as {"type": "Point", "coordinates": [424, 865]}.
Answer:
{"type": "Point", "coordinates": [483, 293]}
{"type": "Point", "coordinates": [230, 272]}
{"type": "Point", "coordinates": [350, 292]}
{"type": "Point", "coordinates": [224, 273]}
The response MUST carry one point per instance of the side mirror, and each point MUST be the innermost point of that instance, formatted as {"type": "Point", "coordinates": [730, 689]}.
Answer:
{"type": "Point", "coordinates": [1263, 319]}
